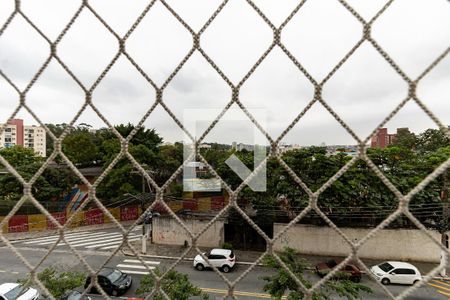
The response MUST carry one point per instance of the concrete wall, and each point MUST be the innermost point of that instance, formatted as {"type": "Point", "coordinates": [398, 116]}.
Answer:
{"type": "Point", "coordinates": [168, 232]}
{"type": "Point", "coordinates": [388, 244]}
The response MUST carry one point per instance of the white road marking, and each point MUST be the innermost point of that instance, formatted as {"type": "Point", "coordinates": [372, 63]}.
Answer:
{"type": "Point", "coordinates": [96, 240]}
{"type": "Point", "coordinates": [85, 238]}
{"type": "Point", "coordinates": [134, 267]}
{"type": "Point", "coordinates": [55, 237]}
{"type": "Point", "coordinates": [134, 272]}
{"type": "Point", "coordinates": [148, 262]}
{"type": "Point", "coordinates": [112, 243]}
{"type": "Point", "coordinates": [102, 240]}
{"type": "Point", "coordinates": [139, 227]}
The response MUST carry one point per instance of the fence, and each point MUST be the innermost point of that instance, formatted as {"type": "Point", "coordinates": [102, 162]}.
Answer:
{"type": "Point", "coordinates": [95, 216]}
{"type": "Point", "coordinates": [277, 41]}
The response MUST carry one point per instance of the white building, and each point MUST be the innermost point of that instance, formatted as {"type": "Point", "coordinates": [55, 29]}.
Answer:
{"type": "Point", "coordinates": [15, 133]}
{"type": "Point", "coordinates": [34, 137]}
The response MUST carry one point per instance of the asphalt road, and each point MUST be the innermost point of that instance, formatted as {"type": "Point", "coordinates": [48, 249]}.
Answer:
{"type": "Point", "coordinates": [250, 287]}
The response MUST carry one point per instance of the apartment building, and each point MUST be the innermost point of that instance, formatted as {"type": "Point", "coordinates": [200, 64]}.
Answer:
{"type": "Point", "coordinates": [28, 136]}
{"type": "Point", "coordinates": [382, 138]}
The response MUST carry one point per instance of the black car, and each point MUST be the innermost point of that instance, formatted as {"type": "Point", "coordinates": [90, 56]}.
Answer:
{"type": "Point", "coordinates": [74, 295]}
{"type": "Point", "coordinates": [112, 281]}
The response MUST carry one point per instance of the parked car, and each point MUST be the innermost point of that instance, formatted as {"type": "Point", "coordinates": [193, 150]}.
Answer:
{"type": "Point", "coordinates": [74, 295]}
{"type": "Point", "coordinates": [396, 272]}
{"type": "Point", "coordinates": [112, 281]}
{"type": "Point", "coordinates": [351, 269]}
{"type": "Point", "coordinates": [222, 259]}
{"type": "Point", "coordinates": [15, 291]}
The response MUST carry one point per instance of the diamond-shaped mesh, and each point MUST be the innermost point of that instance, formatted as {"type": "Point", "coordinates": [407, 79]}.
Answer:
{"type": "Point", "coordinates": [366, 37]}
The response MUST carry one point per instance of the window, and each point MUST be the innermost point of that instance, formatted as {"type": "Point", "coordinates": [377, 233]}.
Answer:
{"type": "Point", "coordinates": [216, 256]}
{"type": "Point", "coordinates": [386, 267]}
{"type": "Point", "coordinates": [7, 129]}
{"type": "Point", "coordinates": [114, 275]}
{"type": "Point", "coordinates": [102, 280]}
{"type": "Point", "coordinates": [16, 292]}
{"type": "Point", "coordinates": [404, 272]}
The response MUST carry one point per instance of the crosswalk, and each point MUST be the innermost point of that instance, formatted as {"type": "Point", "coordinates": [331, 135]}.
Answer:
{"type": "Point", "coordinates": [442, 287]}
{"type": "Point", "coordinates": [135, 266]}
{"type": "Point", "coordinates": [98, 240]}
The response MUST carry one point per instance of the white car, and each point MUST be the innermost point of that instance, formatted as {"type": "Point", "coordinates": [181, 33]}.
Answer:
{"type": "Point", "coordinates": [396, 272]}
{"type": "Point", "coordinates": [223, 259]}
{"type": "Point", "coordinates": [15, 291]}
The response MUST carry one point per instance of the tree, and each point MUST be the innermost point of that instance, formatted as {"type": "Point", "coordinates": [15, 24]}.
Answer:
{"type": "Point", "coordinates": [280, 283]}
{"type": "Point", "coordinates": [53, 184]}
{"type": "Point", "coordinates": [80, 148]}
{"type": "Point", "coordinates": [176, 285]}
{"type": "Point", "coordinates": [431, 140]}
{"type": "Point", "coordinates": [405, 139]}
{"type": "Point", "coordinates": [58, 282]}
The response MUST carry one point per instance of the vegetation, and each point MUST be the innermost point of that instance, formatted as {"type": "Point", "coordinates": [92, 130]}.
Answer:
{"type": "Point", "coordinates": [281, 283]}
{"type": "Point", "coordinates": [357, 198]}
{"type": "Point", "coordinates": [176, 285]}
{"type": "Point", "coordinates": [58, 282]}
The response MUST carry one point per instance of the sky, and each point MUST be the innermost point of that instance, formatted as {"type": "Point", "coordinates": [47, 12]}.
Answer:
{"type": "Point", "coordinates": [363, 91]}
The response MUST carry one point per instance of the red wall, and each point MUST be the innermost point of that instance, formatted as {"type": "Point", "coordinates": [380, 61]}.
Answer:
{"type": "Point", "coordinates": [60, 217]}
{"type": "Point", "coordinates": [129, 213]}
{"type": "Point", "coordinates": [18, 223]}
{"type": "Point", "coordinates": [19, 130]}
{"type": "Point", "coordinates": [94, 216]}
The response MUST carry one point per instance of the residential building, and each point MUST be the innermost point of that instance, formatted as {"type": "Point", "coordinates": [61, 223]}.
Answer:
{"type": "Point", "coordinates": [382, 138]}
{"type": "Point", "coordinates": [28, 136]}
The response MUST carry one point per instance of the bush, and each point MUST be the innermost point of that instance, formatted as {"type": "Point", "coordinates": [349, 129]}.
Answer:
{"type": "Point", "coordinates": [58, 282]}
{"type": "Point", "coordinates": [175, 284]}
{"type": "Point", "coordinates": [227, 245]}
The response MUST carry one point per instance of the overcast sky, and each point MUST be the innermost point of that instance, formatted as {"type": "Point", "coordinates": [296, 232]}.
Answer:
{"type": "Point", "coordinates": [362, 92]}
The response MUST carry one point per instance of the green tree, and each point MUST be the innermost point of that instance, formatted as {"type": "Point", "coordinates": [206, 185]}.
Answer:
{"type": "Point", "coordinates": [58, 282]}
{"type": "Point", "coordinates": [53, 184]}
{"type": "Point", "coordinates": [175, 284]}
{"type": "Point", "coordinates": [431, 140]}
{"type": "Point", "coordinates": [80, 148]}
{"type": "Point", "coordinates": [281, 283]}
{"type": "Point", "coordinates": [405, 139]}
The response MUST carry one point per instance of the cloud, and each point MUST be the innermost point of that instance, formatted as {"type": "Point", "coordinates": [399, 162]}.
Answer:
{"type": "Point", "coordinates": [363, 91]}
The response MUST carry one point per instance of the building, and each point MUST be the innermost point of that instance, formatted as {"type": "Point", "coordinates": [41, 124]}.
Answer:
{"type": "Point", "coordinates": [283, 148]}
{"type": "Point", "coordinates": [16, 133]}
{"type": "Point", "coordinates": [382, 138]}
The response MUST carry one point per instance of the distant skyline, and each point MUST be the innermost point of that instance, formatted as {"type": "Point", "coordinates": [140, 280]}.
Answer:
{"type": "Point", "coordinates": [363, 91]}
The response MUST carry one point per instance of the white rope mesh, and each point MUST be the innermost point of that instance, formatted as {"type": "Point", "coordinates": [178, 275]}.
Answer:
{"type": "Point", "coordinates": [366, 37]}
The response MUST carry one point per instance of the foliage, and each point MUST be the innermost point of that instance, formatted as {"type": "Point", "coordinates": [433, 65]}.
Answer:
{"type": "Point", "coordinates": [405, 139]}
{"type": "Point", "coordinates": [176, 285]}
{"type": "Point", "coordinates": [58, 282]}
{"type": "Point", "coordinates": [431, 140]}
{"type": "Point", "coordinates": [227, 245]}
{"type": "Point", "coordinates": [280, 283]}
{"type": "Point", "coordinates": [80, 147]}
{"type": "Point", "coordinates": [53, 184]}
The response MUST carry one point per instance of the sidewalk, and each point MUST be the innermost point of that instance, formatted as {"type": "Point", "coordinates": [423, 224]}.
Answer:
{"type": "Point", "coordinates": [174, 252]}
{"type": "Point", "coordinates": [249, 257]}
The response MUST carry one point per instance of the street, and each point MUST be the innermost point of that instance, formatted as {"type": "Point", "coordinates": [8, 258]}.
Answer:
{"type": "Point", "coordinates": [250, 287]}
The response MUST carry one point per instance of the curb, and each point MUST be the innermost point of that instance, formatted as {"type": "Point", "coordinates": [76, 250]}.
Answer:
{"type": "Point", "coordinates": [126, 253]}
